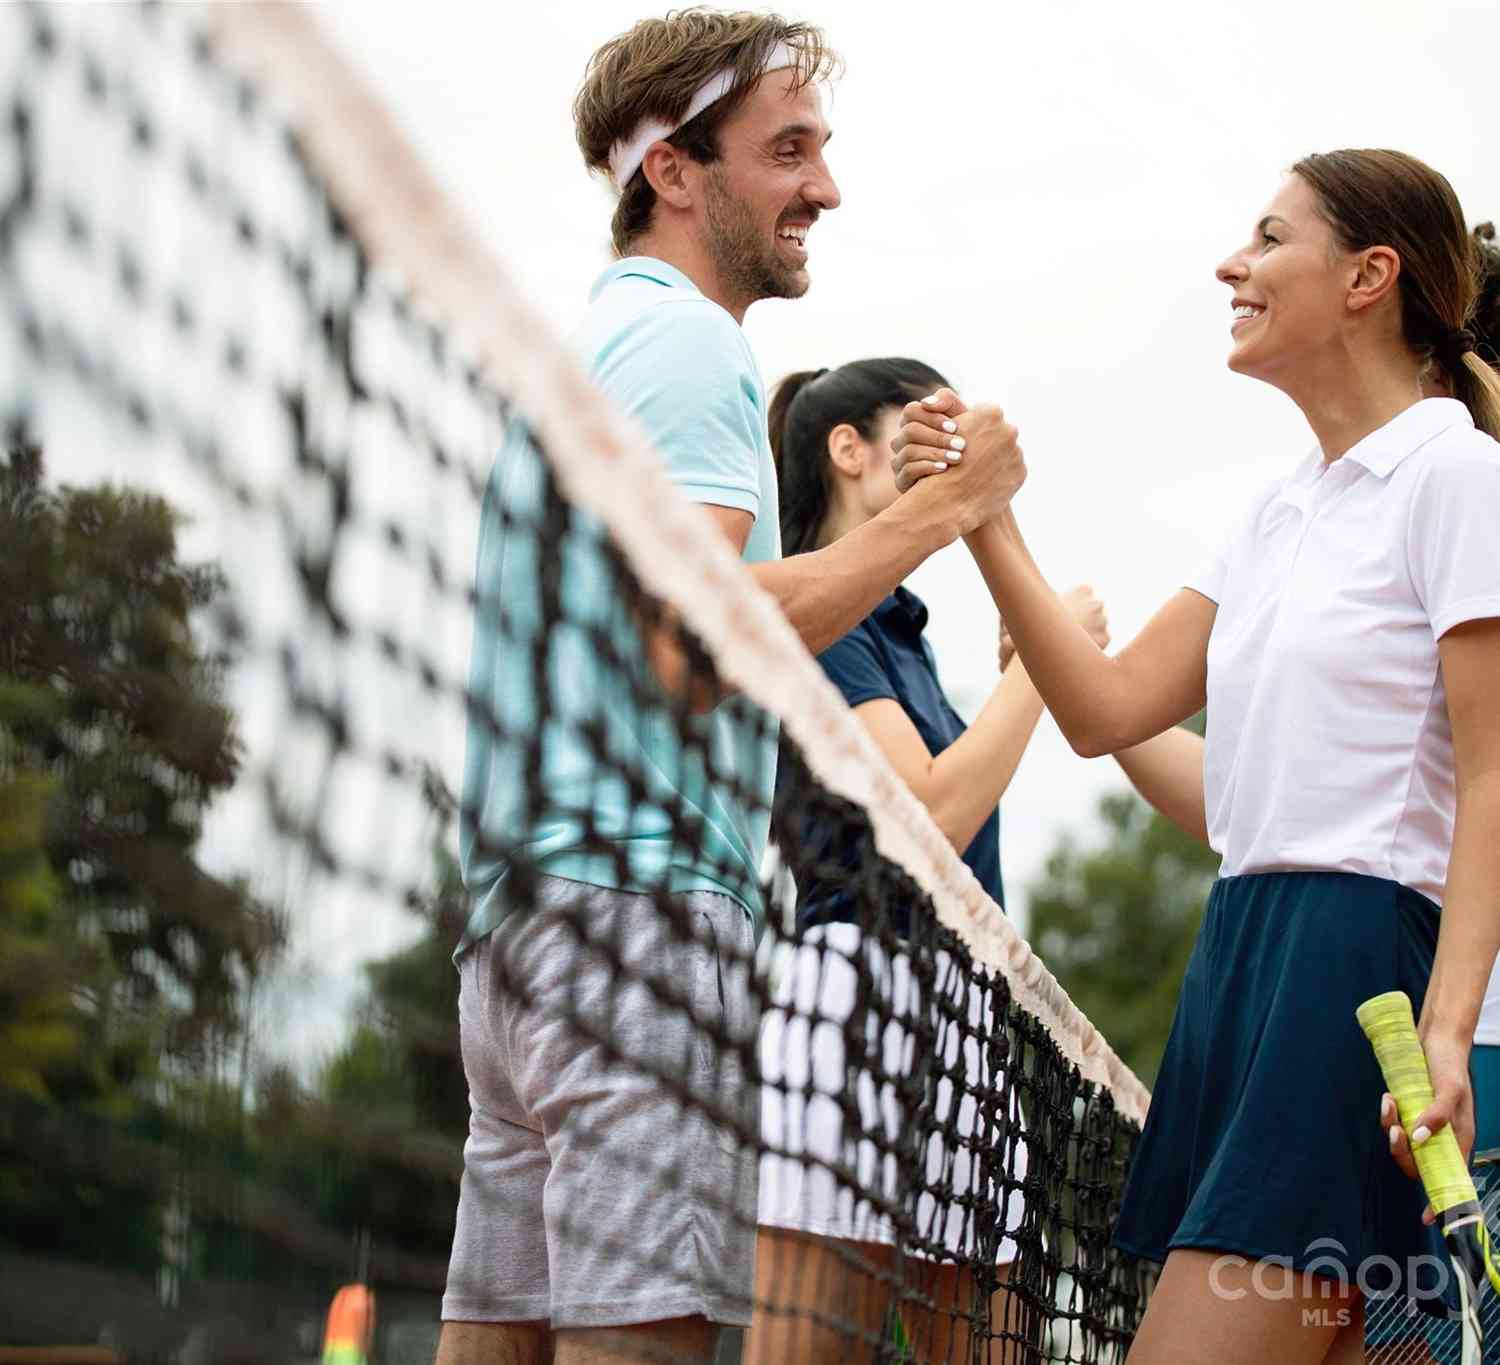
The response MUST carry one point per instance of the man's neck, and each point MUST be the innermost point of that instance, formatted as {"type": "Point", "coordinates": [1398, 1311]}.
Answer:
{"type": "Point", "coordinates": [690, 257]}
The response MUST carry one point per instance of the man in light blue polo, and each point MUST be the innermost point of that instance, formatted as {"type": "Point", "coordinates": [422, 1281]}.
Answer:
{"type": "Point", "coordinates": [592, 1198]}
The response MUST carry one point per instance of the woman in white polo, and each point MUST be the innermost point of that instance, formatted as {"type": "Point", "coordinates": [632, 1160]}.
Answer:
{"type": "Point", "coordinates": [1346, 641]}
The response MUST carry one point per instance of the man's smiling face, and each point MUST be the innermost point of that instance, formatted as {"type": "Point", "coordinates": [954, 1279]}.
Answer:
{"type": "Point", "coordinates": [767, 189]}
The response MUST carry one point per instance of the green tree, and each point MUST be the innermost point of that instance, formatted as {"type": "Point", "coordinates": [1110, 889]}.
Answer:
{"type": "Point", "coordinates": [396, 1091]}
{"type": "Point", "coordinates": [1116, 922]}
{"type": "Point", "coordinates": [123, 962]}
{"type": "Point", "coordinates": [40, 959]}
{"type": "Point", "coordinates": [373, 1148]}
{"type": "Point", "coordinates": [114, 741]}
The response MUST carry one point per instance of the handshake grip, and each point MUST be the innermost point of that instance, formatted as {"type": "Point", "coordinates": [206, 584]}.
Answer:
{"type": "Point", "coordinates": [975, 458]}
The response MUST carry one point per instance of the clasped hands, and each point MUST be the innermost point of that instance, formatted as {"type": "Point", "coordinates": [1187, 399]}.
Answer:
{"type": "Point", "coordinates": [976, 448]}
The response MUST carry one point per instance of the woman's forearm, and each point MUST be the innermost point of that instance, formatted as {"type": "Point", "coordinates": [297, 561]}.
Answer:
{"type": "Point", "coordinates": [1101, 704]}
{"type": "Point", "coordinates": [1168, 772]}
{"type": "Point", "coordinates": [970, 776]}
{"type": "Point", "coordinates": [1469, 929]}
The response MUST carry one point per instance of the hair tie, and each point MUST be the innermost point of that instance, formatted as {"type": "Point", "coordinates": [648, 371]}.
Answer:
{"type": "Point", "coordinates": [1452, 349]}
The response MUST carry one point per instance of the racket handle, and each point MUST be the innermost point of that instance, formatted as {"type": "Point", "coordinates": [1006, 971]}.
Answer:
{"type": "Point", "coordinates": [1388, 1024]}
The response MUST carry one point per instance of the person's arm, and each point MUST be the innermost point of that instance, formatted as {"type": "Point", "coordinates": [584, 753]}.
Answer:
{"type": "Point", "coordinates": [1168, 772]}
{"type": "Point", "coordinates": [1469, 927]}
{"type": "Point", "coordinates": [827, 592]}
{"type": "Point", "coordinates": [1101, 703]}
{"type": "Point", "coordinates": [962, 785]}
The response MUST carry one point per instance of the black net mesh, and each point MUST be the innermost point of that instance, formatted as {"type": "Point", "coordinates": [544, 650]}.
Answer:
{"type": "Point", "coordinates": [242, 661]}
{"type": "Point", "coordinates": [1404, 1329]}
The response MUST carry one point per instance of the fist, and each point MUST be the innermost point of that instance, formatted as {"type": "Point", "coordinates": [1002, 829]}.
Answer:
{"type": "Point", "coordinates": [977, 452]}
{"type": "Point", "coordinates": [1088, 611]}
{"type": "Point", "coordinates": [916, 453]}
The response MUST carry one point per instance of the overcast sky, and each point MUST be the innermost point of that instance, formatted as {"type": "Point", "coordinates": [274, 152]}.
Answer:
{"type": "Point", "coordinates": [1034, 200]}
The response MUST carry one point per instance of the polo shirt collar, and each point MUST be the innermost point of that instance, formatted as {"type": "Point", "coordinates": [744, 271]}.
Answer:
{"type": "Point", "coordinates": [1381, 451]}
{"type": "Point", "coordinates": [647, 267]}
{"type": "Point", "coordinates": [903, 608]}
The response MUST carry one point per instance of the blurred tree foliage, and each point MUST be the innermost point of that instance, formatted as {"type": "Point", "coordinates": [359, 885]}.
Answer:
{"type": "Point", "coordinates": [376, 1142]}
{"type": "Point", "coordinates": [114, 741]}
{"type": "Point", "coordinates": [124, 964]}
{"type": "Point", "coordinates": [1116, 922]}
{"type": "Point", "coordinates": [127, 969]}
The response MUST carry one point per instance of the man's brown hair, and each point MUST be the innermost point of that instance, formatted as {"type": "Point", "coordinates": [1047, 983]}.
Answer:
{"type": "Point", "coordinates": [653, 71]}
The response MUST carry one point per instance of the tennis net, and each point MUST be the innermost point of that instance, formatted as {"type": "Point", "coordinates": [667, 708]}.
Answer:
{"type": "Point", "coordinates": [227, 284]}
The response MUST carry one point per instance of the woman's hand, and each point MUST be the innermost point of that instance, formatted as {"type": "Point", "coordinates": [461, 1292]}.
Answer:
{"type": "Point", "coordinates": [1452, 1102]}
{"type": "Point", "coordinates": [940, 432]}
{"type": "Point", "coordinates": [982, 444]}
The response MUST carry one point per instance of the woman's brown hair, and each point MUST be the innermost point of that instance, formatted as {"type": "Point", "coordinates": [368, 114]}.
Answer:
{"type": "Point", "coordinates": [1385, 198]}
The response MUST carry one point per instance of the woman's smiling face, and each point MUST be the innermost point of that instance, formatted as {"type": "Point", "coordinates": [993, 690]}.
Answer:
{"type": "Point", "coordinates": [1290, 286]}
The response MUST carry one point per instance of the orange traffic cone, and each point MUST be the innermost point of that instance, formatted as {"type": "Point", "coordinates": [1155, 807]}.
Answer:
{"type": "Point", "coordinates": [351, 1326]}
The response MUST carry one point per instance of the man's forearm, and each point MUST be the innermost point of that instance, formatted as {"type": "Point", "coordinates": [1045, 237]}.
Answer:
{"type": "Point", "coordinates": [827, 592]}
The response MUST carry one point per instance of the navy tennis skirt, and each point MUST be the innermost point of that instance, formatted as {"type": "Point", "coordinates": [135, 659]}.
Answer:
{"type": "Point", "coordinates": [1263, 1137]}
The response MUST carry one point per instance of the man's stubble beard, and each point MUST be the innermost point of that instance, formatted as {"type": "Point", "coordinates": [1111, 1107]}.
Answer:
{"type": "Point", "coordinates": [747, 265]}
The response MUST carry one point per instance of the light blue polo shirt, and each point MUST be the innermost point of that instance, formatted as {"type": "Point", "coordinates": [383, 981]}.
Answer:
{"type": "Point", "coordinates": [680, 365]}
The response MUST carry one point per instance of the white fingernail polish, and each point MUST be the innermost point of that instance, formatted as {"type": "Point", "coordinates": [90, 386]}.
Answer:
{"type": "Point", "coordinates": [955, 457]}
{"type": "Point", "coordinates": [940, 466]}
{"type": "Point", "coordinates": [1395, 1136]}
{"type": "Point", "coordinates": [931, 398]}
{"type": "Point", "coordinates": [950, 425]}
{"type": "Point", "coordinates": [958, 443]}
{"type": "Point", "coordinates": [1419, 1136]}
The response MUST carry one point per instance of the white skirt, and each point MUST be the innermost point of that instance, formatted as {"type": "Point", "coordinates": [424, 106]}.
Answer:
{"type": "Point", "coordinates": [803, 1058]}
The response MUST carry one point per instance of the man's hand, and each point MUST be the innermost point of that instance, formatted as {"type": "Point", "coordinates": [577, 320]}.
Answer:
{"type": "Point", "coordinates": [978, 451]}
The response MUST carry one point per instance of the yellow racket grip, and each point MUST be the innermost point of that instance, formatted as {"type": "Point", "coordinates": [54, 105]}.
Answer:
{"type": "Point", "coordinates": [1388, 1024]}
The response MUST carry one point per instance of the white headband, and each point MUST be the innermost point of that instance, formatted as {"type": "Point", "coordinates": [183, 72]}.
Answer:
{"type": "Point", "coordinates": [626, 155]}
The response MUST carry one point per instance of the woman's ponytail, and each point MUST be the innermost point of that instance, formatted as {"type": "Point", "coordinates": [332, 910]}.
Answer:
{"type": "Point", "coordinates": [802, 477]}
{"type": "Point", "coordinates": [1475, 371]}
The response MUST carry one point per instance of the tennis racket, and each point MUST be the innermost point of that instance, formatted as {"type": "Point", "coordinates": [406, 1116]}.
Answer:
{"type": "Point", "coordinates": [1388, 1024]}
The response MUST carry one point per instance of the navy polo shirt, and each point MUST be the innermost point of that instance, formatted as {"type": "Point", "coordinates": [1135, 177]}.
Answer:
{"type": "Point", "coordinates": [885, 655]}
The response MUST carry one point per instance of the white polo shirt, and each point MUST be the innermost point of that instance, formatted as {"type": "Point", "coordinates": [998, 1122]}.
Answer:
{"type": "Point", "coordinates": [1328, 746]}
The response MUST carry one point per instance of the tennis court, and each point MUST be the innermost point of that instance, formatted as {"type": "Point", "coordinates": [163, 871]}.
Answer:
{"type": "Point", "coordinates": [250, 330]}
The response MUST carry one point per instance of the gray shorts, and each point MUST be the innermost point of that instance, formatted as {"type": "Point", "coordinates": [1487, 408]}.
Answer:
{"type": "Point", "coordinates": [596, 1189]}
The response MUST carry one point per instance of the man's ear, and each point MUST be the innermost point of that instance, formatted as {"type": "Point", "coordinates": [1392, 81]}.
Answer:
{"type": "Point", "coordinates": [1376, 273]}
{"type": "Point", "coordinates": [665, 169]}
{"type": "Point", "coordinates": [846, 450]}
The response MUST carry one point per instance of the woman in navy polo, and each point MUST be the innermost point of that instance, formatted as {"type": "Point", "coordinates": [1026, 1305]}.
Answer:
{"type": "Point", "coordinates": [830, 432]}
{"type": "Point", "coordinates": [1346, 640]}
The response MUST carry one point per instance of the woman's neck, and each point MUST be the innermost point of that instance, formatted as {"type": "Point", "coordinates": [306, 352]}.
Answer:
{"type": "Point", "coordinates": [838, 523]}
{"type": "Point", "coordinates": [1347, 397]}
